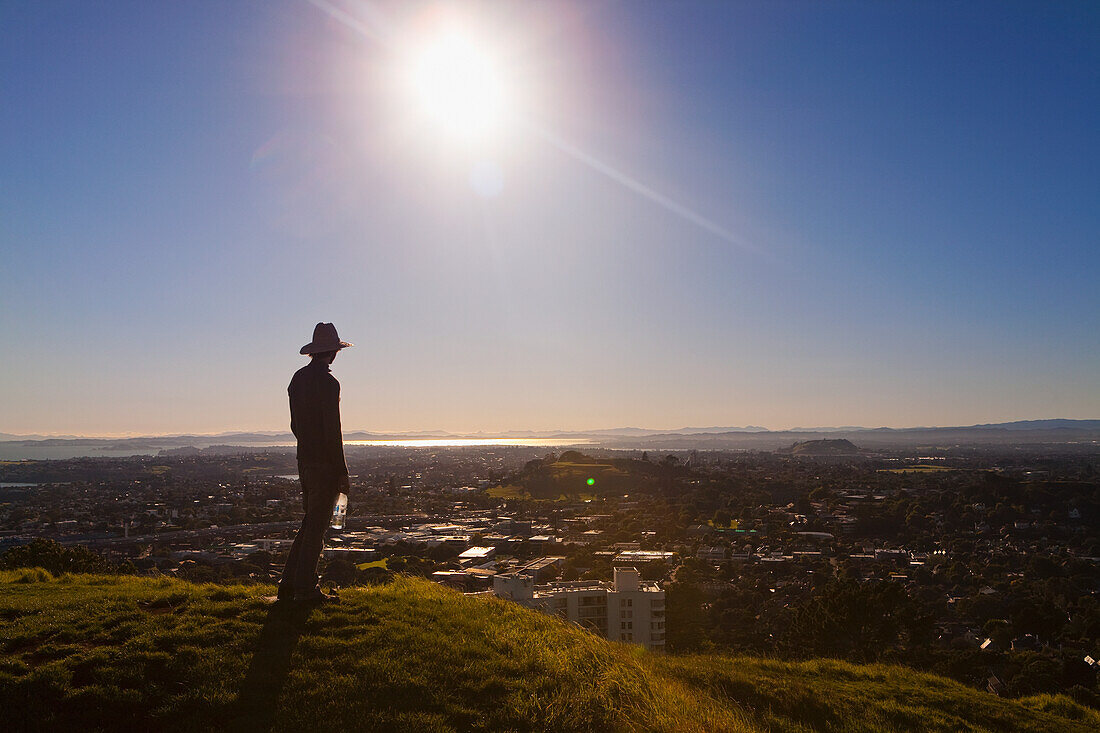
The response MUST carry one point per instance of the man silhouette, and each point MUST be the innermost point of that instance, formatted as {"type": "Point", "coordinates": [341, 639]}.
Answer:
{"type": "Point", "coordinates": [322, 470]}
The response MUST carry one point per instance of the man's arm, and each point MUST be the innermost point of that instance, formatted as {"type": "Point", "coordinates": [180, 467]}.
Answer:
{"type": "Point", "coordinates": [334, 436]}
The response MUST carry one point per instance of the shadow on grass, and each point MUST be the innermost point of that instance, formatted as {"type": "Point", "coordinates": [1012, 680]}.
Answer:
{"type": "Point", "coordinates": [258, 698]}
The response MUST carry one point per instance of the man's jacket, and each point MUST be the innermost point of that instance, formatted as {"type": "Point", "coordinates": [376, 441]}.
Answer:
{"type": "Point", "coordinates": [315, 417]}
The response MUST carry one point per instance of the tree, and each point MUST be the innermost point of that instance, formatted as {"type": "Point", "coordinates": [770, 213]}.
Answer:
{"type": "Point", "coordinates": [54, 557]}
{"type": "Point", "coordinates": [339, 571]}
{"type": "Point", "coordinates": [857, 622]}
{"type": "Point", "coordinates": [685, 617]}
{"type": "Point", "coordinates": [374, 576]}
{"type": "Point", "coordinates": [655, 570]}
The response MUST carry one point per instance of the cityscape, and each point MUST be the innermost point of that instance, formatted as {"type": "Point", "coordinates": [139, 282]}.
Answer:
{"type": "Point", "coordinates": [437, 366]}
{"type": "Point", "coordinates": [983, 563]}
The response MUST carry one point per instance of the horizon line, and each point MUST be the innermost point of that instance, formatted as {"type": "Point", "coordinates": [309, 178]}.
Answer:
{"type": "Point", "coordinates": [511, 433]}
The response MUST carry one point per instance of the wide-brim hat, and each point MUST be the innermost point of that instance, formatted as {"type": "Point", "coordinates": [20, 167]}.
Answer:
{"type": "Point", "coordinates": [325, 339]}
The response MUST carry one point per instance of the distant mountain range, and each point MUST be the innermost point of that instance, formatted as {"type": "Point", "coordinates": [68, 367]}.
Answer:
{"type": "Point", "coordinates": [1029, 432]}
{"type": "Point", "coordinates": [748, 437]}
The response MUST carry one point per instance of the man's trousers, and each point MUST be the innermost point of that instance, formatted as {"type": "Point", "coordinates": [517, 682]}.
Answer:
{"type": "Point", "coordinates": [320, 487]}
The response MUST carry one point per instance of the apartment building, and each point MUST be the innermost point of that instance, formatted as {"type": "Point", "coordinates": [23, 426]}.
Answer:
{"type": "Point", "coordinates": [626, 609]}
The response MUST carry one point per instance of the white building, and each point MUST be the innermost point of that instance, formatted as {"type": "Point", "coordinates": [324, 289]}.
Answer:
{"type": "Point", "coordinates": [474, 555]}
{"type": "Point", "coordinates": [627, 609]}
{"type": "Point", "coordinates": [643, 556]}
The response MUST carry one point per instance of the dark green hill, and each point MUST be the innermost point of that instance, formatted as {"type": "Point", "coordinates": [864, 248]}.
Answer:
{"type": "Point", "coordinates": [826, 447]}
{"type": "Point", "coordinates": [92, 652]}
{"type": "Point", "coordinates": [568, 475]}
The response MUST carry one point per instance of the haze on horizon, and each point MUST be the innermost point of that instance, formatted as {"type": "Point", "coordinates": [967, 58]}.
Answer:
{"type": "Point", "coordinates": [646, 214]}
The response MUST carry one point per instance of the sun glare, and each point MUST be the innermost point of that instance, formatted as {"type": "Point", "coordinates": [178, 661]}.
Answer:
{"type": "Point", "coordinates": [457, 85]}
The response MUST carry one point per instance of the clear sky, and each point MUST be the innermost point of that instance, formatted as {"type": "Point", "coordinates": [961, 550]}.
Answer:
{"type": "Point", "coordinates": [772, 213]}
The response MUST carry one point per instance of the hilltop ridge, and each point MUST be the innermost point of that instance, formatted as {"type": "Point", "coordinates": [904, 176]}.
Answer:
{"type": "Point", "coordinates": [95, 652]}
{"type": "Point", "coordinates": [823, 447]}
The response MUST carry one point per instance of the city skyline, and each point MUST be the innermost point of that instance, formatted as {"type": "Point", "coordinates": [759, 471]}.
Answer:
{"type": "Point", "coordinates": [694, 214]}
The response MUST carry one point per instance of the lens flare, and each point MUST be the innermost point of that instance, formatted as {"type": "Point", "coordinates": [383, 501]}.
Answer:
{"type": "Point", "coordinates": [457, 84]}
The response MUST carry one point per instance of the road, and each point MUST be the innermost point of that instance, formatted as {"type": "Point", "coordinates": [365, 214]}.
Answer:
{"type": "Point", "coordinates": [235, 531]}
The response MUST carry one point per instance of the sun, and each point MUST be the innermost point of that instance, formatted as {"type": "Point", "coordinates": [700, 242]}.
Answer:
{"type": "Point", "coordinates": [457, 85]}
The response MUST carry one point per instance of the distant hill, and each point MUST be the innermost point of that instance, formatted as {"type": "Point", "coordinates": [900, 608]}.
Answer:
{"type": "Point", "coordinates": [1044, 425]}
{"type": "Point", "coordinates": [10, 436]}
{"type": "Point", "coordinates": [823, 447]}
{"type": "Point", "coordinates": [1080, 433]}
{"type": "Point", "coordinates": [1022, 432]}
{"type": "Point", "coordinates": [568, 475]}
{"type": "Point", "coordinates": [124, 653]}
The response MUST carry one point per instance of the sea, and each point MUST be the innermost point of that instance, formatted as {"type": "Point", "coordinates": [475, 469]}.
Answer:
{"type": "Point", "coordinates": [29, 451]}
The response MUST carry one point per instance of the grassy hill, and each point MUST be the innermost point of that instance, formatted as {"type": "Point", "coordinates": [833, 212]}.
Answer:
{"type": "Point", "coordinates": [87, 652]}
{"type": "Point", "coordinates": [824, 447]}
{"type": "Point", "coordinates": [567, 476]}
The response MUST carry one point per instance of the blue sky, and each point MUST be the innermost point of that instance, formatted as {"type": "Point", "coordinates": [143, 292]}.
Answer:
{"type": "Point", "coordinates": [905, 194]}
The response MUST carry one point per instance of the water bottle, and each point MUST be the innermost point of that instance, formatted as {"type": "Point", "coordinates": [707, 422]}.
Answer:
{"type": "Point", "coordinates": [339, 511]}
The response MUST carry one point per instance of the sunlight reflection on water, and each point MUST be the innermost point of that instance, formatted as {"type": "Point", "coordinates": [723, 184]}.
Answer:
{"type": "Point", "coordinates": [464, 442]}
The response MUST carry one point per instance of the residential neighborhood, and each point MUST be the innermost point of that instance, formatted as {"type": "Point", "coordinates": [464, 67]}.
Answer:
{"type": "Point", "coordinates": [980, 566]}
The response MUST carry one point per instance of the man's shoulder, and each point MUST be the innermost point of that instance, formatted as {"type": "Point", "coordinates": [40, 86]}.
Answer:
{"type": "Point", "coordinates": [300, 376]}
{"type": "Point", "coordinates": [313, 377]}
